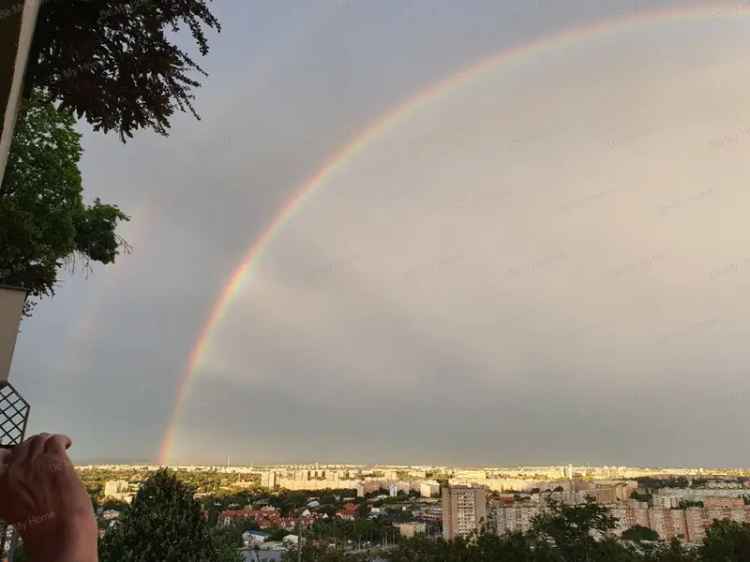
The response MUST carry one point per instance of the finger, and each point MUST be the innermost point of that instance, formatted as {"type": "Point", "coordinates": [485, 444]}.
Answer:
{"type": "Point", "coordinates": [36, 447]}
{"type": "Point", "coordinates": [5, 455]}
{"type": "Point", "coordinates": [29, 449]}
{"type": "Point", "coordinates": [58, 445]}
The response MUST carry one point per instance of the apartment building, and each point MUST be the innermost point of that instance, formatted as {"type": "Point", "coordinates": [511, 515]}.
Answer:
{"type": "Point", "coordinates": [517, 518]}
{"type": "Point", "coordinates": [464, 510]}
{"type": "Point", "coordinates": [688, 525]}
{"type": "Point", "coordinates": [429, 489]}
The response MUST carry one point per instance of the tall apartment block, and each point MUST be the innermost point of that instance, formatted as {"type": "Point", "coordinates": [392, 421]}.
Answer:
{"type": "Point", "coordinates": [464, 510]}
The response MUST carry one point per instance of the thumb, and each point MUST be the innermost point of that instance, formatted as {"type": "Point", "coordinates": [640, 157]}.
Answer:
{"type": "Point", "coordinates": [58, 445]}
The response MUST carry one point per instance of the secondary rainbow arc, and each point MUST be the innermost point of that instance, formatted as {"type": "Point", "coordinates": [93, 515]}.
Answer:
{"type": "Point", "coordinates": [376, 129]}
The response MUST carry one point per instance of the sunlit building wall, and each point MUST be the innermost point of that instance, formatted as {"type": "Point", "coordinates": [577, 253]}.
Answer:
{"type": "Point", "coordinates": [464, 510]}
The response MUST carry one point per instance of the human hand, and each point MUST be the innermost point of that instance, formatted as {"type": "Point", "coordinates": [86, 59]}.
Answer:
{"type": "Point", "coordinates": [43, 498]}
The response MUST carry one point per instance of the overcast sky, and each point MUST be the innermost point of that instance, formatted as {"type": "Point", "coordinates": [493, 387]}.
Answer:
{"type": "Point", "coordinates": [546, 263]}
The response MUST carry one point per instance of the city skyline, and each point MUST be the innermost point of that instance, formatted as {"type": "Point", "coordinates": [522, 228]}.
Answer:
{"type": "Point", "coordinates": [489, 469]}
{"type": "Point", "coordinates": [510, 233]}
{"type": "Point", "coordinates": [664, 504]}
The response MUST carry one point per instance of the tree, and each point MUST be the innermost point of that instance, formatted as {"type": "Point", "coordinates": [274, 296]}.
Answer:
{"type": "Point", "coordinates": [112, 503]}
{"type": "Point", "coordinates": [322, 553]}
{"type": "Point", "coordinates": [276, 533]}
{"type": "Point", "coordinates": [227, 541]}
{"type": "Point", "coordinates": [112, 63]}
{"type": "Point", "coordinates": [164, 523]}
{"type": "Point", "coordinates": [44, 222]}
{"type": "Point", "coordinates": [639, 533]}
{"type": "Point", "coordinates": [674, 552]}
{"type": "Point", "coordinates": [641, 496]}
{"type": "Point", "coordinates": [363, 510]}
{"type": "Point", "coordinates": [684, 504]}
{"type": "Point", "coordinates": [576, 532]}
{"type": "Point", "coordinates": [726, 541]}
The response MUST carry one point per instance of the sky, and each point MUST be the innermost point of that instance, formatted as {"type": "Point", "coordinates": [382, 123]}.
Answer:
{"type": "Point", "coordinates": [543, 262]}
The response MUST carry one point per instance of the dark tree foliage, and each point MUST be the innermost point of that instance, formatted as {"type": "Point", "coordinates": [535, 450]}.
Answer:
{"type": "Point", "coordinates": [424, 550]}
{"type": "Point", "coordinates": [323, 553]}
{"type": "Point", "coordinates": [726, 541]}
{"type": "Point", "coordinates": [574, 529]}
{"type": "Point", "coordinates": [164, 523]}
{"type": "Point", "coordinates": [112, 61]}
{"type": "Point", "coordinates": [641, 496]}
{"type": "Point", "coordinates": [516, 547]}
{"type": "Point", "coordinates": [568, 535]}
{"type": "Point", "coordinates": [358, 530]}
{"type": "Point", "coordinates": [363, 510]}
{"type": "Point", "coordinates": [653, 483]}
{"type": "Point", "coordinates": [684, 504]}
{"type": "Point", "coordinates": [227, 541]}
{"type": "Point", "coordinates": [639, 533]}
{"type": "Point", "coordinates": [44, 222]}
{"type": "Point", "coordinates": [673, 552]}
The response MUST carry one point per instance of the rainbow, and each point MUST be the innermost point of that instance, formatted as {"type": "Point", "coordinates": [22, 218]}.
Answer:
{"type": "Point", "coordinates": [376, 129]}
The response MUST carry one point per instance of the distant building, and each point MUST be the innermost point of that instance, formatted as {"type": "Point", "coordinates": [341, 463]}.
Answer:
{"type": "Point", "coordinates": [698, 494]}
{"type": "Point", "coordinates": [290, 540]}
{"type": "Point", "coordinates": [347, 512]}
{"type": "Point", "coordinates": [515, 518]}
{"type": "Point", "coordinates": [687, 525]}
{"type": "Point", "coordinates": [464, 510]}
{"type": "Point", "coordinates": [432, 513]}
{"type": "Point", "coordinates": [429, 489]}
{"type": "Point", "coordinates": [253, 538]}
{"type": "Point", "coordinates": [269, 480]}
{"type": "Point", "coordinates": [365, 487]}
{"type": "Point", "coordinates": [118, 490]}
{"type": "Point", "coordinates": [115, 487]}
{"type": "Point", "coordinates": [712, 502]}
{"type": "Point", "coordinates": [229, 516]}
{"type": "Point", "coordinates": [411, 529]}
{"type": "Point", "coordinates": [394, 487]}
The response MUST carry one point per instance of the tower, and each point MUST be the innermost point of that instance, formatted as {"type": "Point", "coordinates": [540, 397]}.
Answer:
{"type": "Point", "coordinates": [464, 510]}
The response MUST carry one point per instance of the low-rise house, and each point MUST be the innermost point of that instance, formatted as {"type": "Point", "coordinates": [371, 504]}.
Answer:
{"type": "Point", "coordinates": [254, 538]}
{"type": "Point", "coordinates": [347, 512]}
{"type": "Point", "coordinates": [109, 514]}
{"type": "Point", "coordinates": [229, 516]}
{"type": "Point", "coordinates": [290, 540]}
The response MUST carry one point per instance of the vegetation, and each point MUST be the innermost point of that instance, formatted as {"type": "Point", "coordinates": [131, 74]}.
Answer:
{"type": "Point", "coordinates": [44, 222]}
{"type": "Point", "coordinates": [573, 531]}
{"type": "Point", "coordinates": [639, 534]}
{"type": "Point", "coordinates": [726, 541]}
{"type": "Point", "coordinates": [684, 504]}
{"type": "Point", "coordinates": [640, 496]}
{"type": "Point", "coordinates": [325, 553]}
{"type": "Point", "coordinates": [357, 532]}
{"type": "Point", "coordinates": [164, 523]}
{"type": "Point", "coordinates": [112, 62]}
{"type": "Point", "coordinates": [289, 502]}
{"type": "Point", "coordinates": [227, 541]}
{"type": "Point", "coordinates": [567, 535]}
{"type": "Point", "coordinates": [652, 483]}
